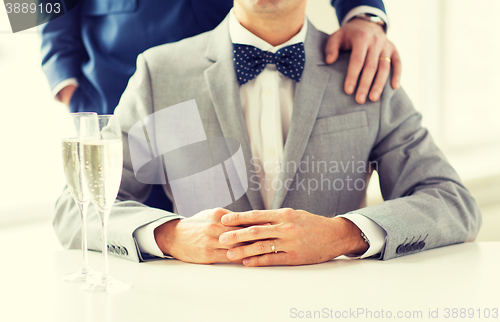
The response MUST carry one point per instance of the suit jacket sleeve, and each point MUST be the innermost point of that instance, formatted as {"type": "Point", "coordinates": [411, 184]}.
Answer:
{"type": "Point", "coordinates": [128, 213]}
{"type": "Point", "coordinates": [424, 197]}
{"type": "Point", "coordinates": [342, 7]}
{"type": "Point", "coordinates": [62, 49]}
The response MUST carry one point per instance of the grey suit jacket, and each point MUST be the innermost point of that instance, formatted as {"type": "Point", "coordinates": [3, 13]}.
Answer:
{"type": "Point", "coordinates": [424, 198]}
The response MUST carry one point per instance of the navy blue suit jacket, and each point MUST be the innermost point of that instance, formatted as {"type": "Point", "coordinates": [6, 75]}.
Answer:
{"type": "Point", "coordinates": [98, 41]}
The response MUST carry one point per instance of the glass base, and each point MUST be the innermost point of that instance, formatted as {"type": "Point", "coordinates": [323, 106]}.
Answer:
{"type": "Point", "coordinates": [83, 275]}
{"type": "Point", "coordinates": [108, 285]}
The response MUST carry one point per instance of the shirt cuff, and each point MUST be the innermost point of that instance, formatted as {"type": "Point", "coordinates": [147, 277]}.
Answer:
{"type": "Point", "coordinates": [146, 238]}
{"type": "Point", "coordinates": [366, 9]}
{"type": "Point", "coordinates": [375, 234]}
{"type": "Point", "coordinates": [63, 84]}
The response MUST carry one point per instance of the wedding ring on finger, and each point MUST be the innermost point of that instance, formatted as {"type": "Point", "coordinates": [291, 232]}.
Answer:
{"type": "Point", "coordinates": [273, 246]}
{"type": "Point", "coordinates": [387, 59]}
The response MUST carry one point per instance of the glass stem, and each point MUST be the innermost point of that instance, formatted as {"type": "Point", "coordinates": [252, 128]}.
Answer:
{"type": "Point", "coordinates": [83, 213]}
{"type": "Point", "coordinates": [105, 217]}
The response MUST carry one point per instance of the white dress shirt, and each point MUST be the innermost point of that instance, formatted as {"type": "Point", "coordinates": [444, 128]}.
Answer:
{"type": "Point", "coordinates": [267, 104]}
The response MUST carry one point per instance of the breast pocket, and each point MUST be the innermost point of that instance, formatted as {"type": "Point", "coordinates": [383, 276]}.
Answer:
{"type": "Point", "coordinates": [339, 123]}
{"type": "Point", "coordinates": [105, 7]}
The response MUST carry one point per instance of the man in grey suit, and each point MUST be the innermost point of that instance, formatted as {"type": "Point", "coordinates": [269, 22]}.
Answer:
{"type": "Point", "coordinates": [260, 78]}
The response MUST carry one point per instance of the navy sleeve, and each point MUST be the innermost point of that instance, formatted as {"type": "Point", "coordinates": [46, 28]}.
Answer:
{"type": "Point", "coordinates": [62, 48]}
{"type": "Point", "coordinates": [342, 7]}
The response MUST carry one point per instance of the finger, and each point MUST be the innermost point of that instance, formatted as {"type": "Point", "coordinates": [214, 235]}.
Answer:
{"type": "Point", "coordinates": [245, 226]}
{"type": "Point", "coordinates": [396, 69]}
{"type": "Point", "coordinates": [208, 256]}
{"type": "Point", "coordinates": [280, 258]}
{"type": "Point", "coordinates": [384, 67]}
{"type": "Point", "coordinates": [217, 213]}
{"type": "Point", "coordinates": [254, 217]}
{"type": "Point", "coordinates": [248, 234]}
{"type": "Point", "coordinates": [258, 248]}
{"type": "Point", "coordinates": [369, 70]}
{"type": "Point", "coordinates": [216, 244]}
{"type": "Point", "coordinates": [332, 47]}
{"type": "Point", "coordinates": [356, 62]}
{"type": "Point", "coordinates": [215, 229]}
{"type": "Point", "coordinates": [218, 256]}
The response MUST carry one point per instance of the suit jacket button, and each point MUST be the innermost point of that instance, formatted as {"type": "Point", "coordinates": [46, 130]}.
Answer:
{"type": "Point", "coordinates": [124, 251]}
{"type": "Point", "coordinates": [400, 249]}
{"type": "Point", "coordinates": [421, 245]}
{"type": "Point", "coordinates": [111, 249]}
{"type": "Point", "coordinates": [408, 248]}
{"type": "Point", "coordinates": [414, 246]}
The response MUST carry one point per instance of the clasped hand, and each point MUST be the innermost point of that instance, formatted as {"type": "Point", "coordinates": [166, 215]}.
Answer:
{"type": "Point", "coordinates": [299, 237]}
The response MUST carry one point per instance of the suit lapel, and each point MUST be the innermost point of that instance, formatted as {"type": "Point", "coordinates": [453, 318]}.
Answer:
{"type": "Point", "coordinates": [309, 93]}
{"type": "Point", "coordinates": [224, 92]}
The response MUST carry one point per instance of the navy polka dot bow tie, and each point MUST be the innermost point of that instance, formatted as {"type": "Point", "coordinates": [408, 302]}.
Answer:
{"type": "Point", "coordinates": [250, 61]}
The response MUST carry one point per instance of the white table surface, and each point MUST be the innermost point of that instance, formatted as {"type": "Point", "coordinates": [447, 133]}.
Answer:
{"type": "Point", "coordinates": [459, 276]}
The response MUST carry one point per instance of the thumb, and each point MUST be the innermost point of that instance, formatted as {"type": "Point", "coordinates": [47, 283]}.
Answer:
{"type": "Point", "coordinates": [332, 47]}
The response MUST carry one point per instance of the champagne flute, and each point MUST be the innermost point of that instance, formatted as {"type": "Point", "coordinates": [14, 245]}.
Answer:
{"type": "Point", "coordinates": [103, 160]}
{"type": "Point", "coordinates": [87, 128]}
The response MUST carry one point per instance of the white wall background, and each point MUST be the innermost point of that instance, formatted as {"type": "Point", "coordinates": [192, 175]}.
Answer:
{"type": "Point", "coordinates": [450, 51]}
{"type": "Point", "coordinates": [32, 125]}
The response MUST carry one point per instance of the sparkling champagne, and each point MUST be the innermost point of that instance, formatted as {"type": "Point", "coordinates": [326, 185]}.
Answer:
{"type": "Point", "coordinates": [73, 169]}
{"type": "Point", "coordinates": [103, 170]}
